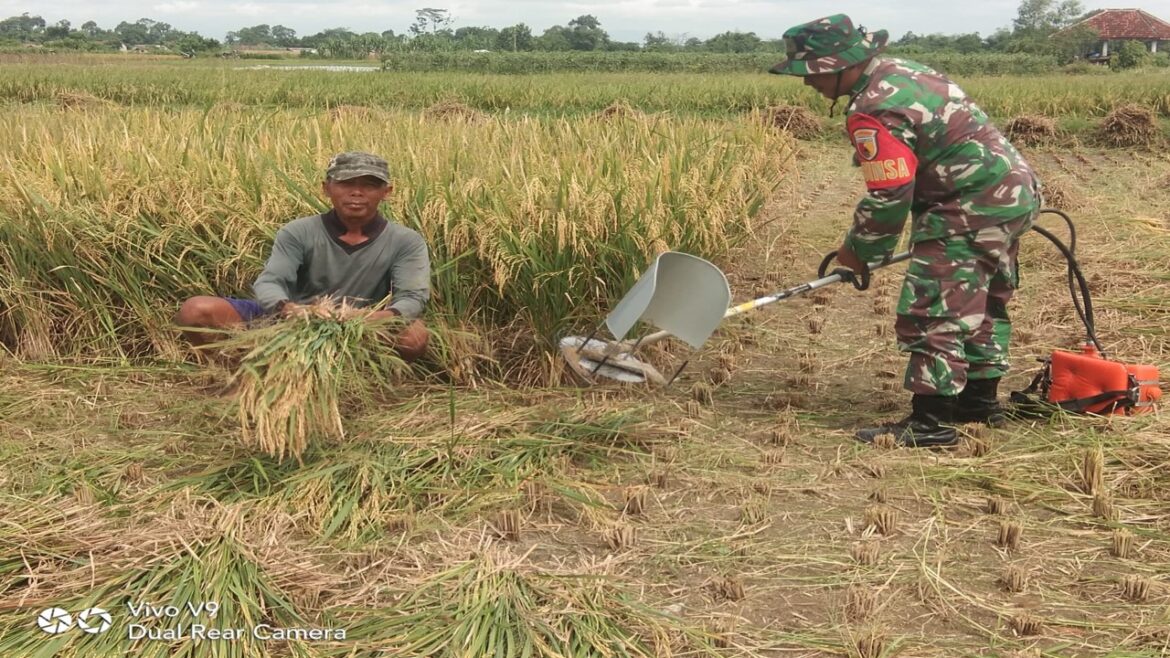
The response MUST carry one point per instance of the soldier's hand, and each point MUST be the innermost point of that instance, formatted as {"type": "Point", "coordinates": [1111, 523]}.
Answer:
{"type": "Point", "coordinates": [846, 257]}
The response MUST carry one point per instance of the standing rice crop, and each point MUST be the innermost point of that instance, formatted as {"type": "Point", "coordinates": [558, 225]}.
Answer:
{"type": "Point", "coordinates": [1004, 86]}
{"type": "Point", "coordinates": [110, 219]}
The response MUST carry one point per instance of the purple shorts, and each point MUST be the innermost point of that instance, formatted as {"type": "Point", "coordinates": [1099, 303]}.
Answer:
{"type": "Point", "coordinates": [249, 309]}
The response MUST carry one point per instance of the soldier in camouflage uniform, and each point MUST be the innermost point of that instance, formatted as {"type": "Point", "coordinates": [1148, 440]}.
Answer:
{"type": "Point", "coordinates": [927, 152]}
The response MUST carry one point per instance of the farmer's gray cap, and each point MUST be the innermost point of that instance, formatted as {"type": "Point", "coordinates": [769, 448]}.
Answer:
{"type": "Point", "coordinates": [354, 164]}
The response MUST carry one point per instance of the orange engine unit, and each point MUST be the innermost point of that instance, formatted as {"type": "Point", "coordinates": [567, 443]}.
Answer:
{"type": "Point", "coordinates": [1088, 383]}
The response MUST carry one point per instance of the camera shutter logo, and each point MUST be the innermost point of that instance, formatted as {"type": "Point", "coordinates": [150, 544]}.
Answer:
{"type": "Point", "coordinates": [94, 621]}
{"type": "Point", "coordinates": [54, 621]}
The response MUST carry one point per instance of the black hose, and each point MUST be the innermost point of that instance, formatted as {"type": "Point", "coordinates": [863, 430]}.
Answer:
{"type": "Point", "coordinates": [1076, 280]}
{"type": "Point", "coordinates": [1083, 303]}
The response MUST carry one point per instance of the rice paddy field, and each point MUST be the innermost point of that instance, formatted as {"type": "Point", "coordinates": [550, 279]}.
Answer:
{"type": "Point", "coordinates": [314, 498]}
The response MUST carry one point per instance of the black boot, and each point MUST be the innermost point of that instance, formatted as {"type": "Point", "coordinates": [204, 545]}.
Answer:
{"type": "Point", "coordinates": [979, 403]}
{"type": "Point", "coordinates": [923, 428]}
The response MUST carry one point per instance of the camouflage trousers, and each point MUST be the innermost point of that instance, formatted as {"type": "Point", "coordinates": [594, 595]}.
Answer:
{"type": "Point", "coordinates": [952, 313]}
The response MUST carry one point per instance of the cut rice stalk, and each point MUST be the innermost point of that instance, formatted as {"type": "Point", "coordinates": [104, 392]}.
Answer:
{"type": "Point", "coordinates": [291, 383]}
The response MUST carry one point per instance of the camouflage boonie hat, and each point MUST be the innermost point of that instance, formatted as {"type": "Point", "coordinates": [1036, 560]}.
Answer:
{"type": "Point", "coordinates": [353, 164]}
{"type": "Point", "coordinates": [828, 45]}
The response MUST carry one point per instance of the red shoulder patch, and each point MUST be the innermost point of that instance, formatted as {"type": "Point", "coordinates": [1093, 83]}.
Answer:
{"type": "Point", "coordinates": [885, 160]}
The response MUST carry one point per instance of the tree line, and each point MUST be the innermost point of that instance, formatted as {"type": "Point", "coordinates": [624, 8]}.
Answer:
{"type": "Point", "coordinates": [1039, 28]}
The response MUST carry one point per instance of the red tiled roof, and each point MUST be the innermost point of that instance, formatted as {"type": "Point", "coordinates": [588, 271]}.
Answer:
{"type": "Point", "coordinates": [1127, 24]}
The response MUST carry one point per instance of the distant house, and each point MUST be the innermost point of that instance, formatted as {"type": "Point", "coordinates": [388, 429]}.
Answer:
{"type": "Point", "coordinates": [1116, 25]}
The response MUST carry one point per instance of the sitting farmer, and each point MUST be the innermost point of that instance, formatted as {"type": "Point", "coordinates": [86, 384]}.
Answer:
{"type": "Point", "coordinates": [927, 151]}
{"type": "Point", "coordinates": [351, 252]}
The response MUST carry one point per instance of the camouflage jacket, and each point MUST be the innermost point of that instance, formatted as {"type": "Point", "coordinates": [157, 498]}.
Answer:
{"type": "Point", "coordinates": [927, 151]}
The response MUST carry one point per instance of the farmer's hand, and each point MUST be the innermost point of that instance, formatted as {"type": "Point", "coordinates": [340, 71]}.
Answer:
{"type": "Point", "coordinates": [293, 310]}
{"type": "Point", "coordinates": [345, 312]}
{"type": "Point", "coordinates": [846, 257]}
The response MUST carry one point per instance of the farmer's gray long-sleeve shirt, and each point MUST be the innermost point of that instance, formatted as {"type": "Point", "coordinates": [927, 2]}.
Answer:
{"type": "Point", "coordinates": [309, 260]}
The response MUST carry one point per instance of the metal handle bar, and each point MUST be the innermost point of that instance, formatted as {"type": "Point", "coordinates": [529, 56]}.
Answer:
{"type": "Point", "coordinates": [837, 276]}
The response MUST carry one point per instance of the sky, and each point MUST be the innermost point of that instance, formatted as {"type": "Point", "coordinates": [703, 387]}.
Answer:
{"type": "Point", "coordinates": [627, 20]}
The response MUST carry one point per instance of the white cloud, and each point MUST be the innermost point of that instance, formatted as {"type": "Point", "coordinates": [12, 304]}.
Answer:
{"type": "Point", "coordinates": [177, 7]}
{"type": "Point", "coordinates": [249, 9]}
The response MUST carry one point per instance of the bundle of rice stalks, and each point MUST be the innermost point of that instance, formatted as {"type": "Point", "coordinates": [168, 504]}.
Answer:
{"type": "Point", "coordinates": [1130, 125]}
{"type": "Point", "coordinates": [453, 110]}
{"type": "Point", "coordinates": [73, 100]}
{"type": "Point", "coordinates": [291, 382]}
{"type": "Point", "coordinates": [1031, 130]}
{"type": "Point", "coordinates": [619, 109]}
{"type": "Point", "coordinates": [796, 121]}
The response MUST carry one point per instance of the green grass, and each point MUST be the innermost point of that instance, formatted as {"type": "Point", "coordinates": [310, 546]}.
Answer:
{"type": "Point", "coordinates": [204, 84]}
